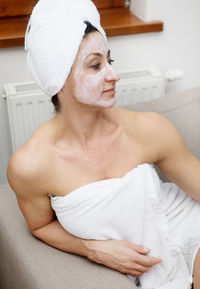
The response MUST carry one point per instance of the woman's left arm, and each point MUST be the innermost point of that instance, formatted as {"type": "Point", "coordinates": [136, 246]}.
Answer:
{"type": "Point", "coordinates": [175, 160]}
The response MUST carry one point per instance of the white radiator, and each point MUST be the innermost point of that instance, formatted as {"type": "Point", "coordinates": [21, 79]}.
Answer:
{"type": "Point", "coordinates": [140, 85]}
{"type": "Point", "coordinates": [28, 106]}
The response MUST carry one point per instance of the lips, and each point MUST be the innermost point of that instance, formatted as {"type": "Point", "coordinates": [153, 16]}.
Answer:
{"type": "Point", "coordinates": [110, 90]}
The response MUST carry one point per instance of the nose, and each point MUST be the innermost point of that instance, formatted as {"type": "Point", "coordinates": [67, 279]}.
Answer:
{"type": "Point", "coordinates": [111, 74]}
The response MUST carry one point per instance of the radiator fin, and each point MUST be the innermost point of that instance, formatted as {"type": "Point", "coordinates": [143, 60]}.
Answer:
{"type": "Point", "coordinates": [27, 110]}
{"type": "Point", "coordinates": [141, 85]}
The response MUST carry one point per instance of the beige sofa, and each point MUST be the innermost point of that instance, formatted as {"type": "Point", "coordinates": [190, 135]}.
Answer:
{"type": "Point", "coordinates": [27, 263]}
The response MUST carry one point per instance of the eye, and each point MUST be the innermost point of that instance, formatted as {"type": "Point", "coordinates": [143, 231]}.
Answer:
{"type": "Point", "coordinates": [96, 66]}
{"type": "Point", "coordinates": [110, 61]}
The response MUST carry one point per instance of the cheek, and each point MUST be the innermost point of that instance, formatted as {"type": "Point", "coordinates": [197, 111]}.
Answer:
{"type": "Point", "coordinates": [95, 82]}
{"type": "Point", "coordinates": [79, 81]}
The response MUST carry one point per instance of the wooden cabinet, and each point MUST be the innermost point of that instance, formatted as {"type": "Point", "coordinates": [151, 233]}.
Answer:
{"type": "Point", "coordinates": [115, 19]}
{"type": "Point", "coordinates": [108, 3]}
{"type": "Point", "coordinates": [12, 8]}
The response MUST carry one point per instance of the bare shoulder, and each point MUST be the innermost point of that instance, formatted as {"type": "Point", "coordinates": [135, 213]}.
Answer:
{"type": "Point", "coordinates": [160, 134]}
{"type": "Point", "coordinates": [24, 161]}
{"type": "Point", "coordinates": [154, 131]}
{"type": "Point", "coordinates": [142, 121]}
{"type": "Point", "coordinates": [142, 117]}
{"type": "Point", "coordinates": [157, 125]}
{"type": "Point", "coordinates": [25, 170]}
{"type": "Point", "coordinates": [132, 118]}
{"type": "Point", "coordinates": [152, 121]}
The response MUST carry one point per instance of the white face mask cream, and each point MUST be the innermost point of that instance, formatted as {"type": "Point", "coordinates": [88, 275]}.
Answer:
{"type": "Point", "coordinates": [94, 77]}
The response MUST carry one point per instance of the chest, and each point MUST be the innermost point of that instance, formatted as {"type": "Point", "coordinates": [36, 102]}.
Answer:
{"type": "Point", "coordinates": [105, 160]}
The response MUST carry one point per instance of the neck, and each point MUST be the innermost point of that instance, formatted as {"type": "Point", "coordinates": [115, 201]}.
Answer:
{"type": "Point", "coordinates": [83, 125]}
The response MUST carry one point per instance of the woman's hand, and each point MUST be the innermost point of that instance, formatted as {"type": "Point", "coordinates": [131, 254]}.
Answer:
{"type": "Point", "coordinates": [123, 256]}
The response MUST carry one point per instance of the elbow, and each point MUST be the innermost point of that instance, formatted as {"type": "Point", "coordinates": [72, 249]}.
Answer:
{"type": "Point", "coordinates": [35, 233]}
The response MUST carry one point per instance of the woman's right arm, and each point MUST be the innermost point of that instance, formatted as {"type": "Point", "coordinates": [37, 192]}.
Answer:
{"type": "Point", "coordinates": [25, 178]}
{"type": "Point", "coordinates": [123, 256]}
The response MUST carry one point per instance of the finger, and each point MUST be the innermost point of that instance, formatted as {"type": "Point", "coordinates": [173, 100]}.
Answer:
{"type": "Point", "coordinates": [140, 268]}
{"type": "Point", "coordinates": [140, 249]}
{"type": "Point", "coordinates": [144, 251]}
{"type": "Point", "coordinates": [147, 261]}
{"type": "Point", "coordinates": [135, 273]}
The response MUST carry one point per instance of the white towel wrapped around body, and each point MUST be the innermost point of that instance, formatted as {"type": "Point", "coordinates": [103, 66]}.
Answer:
{"type": "Point", "coordinates": [128, 208]}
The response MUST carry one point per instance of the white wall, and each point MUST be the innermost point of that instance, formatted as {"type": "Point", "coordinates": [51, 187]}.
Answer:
{"type": "Point", "coordinates": [178, 46]}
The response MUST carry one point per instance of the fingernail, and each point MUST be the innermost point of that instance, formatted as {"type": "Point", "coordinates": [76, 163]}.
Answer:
{"type": "Point", "coordinates": [145, 250]}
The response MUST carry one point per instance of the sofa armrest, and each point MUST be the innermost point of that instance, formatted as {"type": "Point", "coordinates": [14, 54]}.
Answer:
{"type": "Point", "coordinates": [28, 263]}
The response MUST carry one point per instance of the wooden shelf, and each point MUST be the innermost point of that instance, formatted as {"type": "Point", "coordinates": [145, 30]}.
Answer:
{"type": "Point", "coordinates": [118, 21]}
{"type": "Point", "coordinates": [121, 22]}
{"type": "Point", "coordinates": [12, 31]}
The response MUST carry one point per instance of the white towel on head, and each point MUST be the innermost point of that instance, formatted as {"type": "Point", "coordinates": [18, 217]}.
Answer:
{"type": "Point", "coordinates": [53, 37]}
{"type": "Point", "coordinates": [127, 208]}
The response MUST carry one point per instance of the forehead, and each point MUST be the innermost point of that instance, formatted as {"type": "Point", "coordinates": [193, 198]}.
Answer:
{"type": "Point", "coordinates": [94, 42]}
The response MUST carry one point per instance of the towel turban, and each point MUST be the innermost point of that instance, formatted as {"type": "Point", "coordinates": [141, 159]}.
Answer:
{"type": "Point", "coordinates": [53, 37]}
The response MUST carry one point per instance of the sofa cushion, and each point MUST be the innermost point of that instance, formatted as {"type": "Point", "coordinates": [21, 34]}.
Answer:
{"type": "Point", "coordinates": [28, 263]}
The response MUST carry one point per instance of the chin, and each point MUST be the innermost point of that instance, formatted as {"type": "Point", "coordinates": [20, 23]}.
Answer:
{"type": "Point", "coordinates": [109, 103]}
{"type": "Point", "coordinates": [113, 103]}
{"type": "Point", "coordinates": [103, 103]}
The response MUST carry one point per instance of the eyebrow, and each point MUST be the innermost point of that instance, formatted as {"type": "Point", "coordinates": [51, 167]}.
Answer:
{"type": "Point", "coordinates": [97, 54]}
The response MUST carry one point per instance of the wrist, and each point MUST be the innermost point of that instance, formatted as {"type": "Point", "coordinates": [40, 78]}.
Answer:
{"type": "Point", "coordinates": [91, 248]}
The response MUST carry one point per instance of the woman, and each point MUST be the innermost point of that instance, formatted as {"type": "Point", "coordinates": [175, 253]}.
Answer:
{"type": "Point", "coordinates": [88, 140]}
